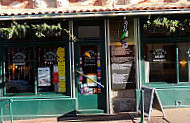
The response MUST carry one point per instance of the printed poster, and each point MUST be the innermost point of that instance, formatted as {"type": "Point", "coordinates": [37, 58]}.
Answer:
{"type": "Point", "coordinates": [61, 68]}
{"type": "Point", "coordinates": [44, 76]}
{"type": "Point", "coordinates": [90, 82]}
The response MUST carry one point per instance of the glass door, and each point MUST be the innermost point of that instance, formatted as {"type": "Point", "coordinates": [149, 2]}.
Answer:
{"type": "Point", "coordinates": [90, 79]}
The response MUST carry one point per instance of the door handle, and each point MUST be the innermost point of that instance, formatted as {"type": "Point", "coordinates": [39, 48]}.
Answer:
{"type": "Point", "coordinates": [90, 78]}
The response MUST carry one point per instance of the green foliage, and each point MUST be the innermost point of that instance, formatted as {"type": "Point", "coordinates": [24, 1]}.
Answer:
{"type": "Point", "coordinates": [15, 29]}
{"type": "Point", "coordinates": [41, 30]}
{"type": "Point", "coordinates": [185, 25]}
{"type": "Point", "coordinates": [162, 23]}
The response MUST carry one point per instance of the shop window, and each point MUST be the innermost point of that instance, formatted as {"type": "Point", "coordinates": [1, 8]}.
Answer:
{"type": "Point", "coordinates": [19, 70]}
{"type": "Point", "coordinates": [25, 70]}
{"type": "Point", "coordinates": [51, 69]}
{"type": "Point", "coordinates": [160, 62]}
{"type": "Point", "coordinates": [184, 62]}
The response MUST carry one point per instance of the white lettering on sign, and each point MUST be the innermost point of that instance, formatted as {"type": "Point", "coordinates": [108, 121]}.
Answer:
{"type": "Point", "coordinates": [188, 52]}
{"type": "Point", "coordinates": [19, 59]}
{"type": "Point", "coordinates": [119, 78]}
{"type": "Point", "coordinates": [159, 54]}
{"type": "Point", "coordinates": [50, 56]}
{"type": "Point", "coordinates": [121, 66]}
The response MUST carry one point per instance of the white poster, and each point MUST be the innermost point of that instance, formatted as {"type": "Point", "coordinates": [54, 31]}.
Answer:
{"type": "Point", "coordinates": [44, 76]}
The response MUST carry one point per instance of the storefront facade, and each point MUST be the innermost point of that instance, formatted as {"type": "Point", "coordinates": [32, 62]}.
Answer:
{"type": "Point", "coordinates": [165, 61]}
{"type": "Point", "coordinates": [87, 65]}
{"type": "Point", "coordinates": [49, 73]}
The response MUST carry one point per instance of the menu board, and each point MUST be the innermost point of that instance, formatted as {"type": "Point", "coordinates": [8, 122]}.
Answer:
{"type": "Point", "coordinates": [122, 64]}
{"type": "Point", "coordinates": [151, 100]}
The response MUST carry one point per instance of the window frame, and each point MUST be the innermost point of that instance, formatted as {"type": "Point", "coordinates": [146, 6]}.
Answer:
{"type": "Point", "coordinates": [157, 41]}
{"type": "Point", "coordinates": [34, 45]}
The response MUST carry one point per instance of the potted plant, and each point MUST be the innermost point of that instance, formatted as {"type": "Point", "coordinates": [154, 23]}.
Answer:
{"type": "Point", "coordinates": [45, 30]}
{"type": "Point", "coordinates": [160, 26]}
{"type": "Point", "coordinates": [14, 30]}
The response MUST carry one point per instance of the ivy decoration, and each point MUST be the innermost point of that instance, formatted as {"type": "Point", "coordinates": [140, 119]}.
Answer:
{"type": "Point", "coordinates": [161, 22]}
{"type": "Point", "coordinates": [15, 29]}
{"type": "Point", "coordinates": [42, 30]}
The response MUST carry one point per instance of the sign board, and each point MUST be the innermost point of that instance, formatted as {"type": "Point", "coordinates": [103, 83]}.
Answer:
{"type": "Point", "coordinates": [122, 61]}
{"type": "Point", "coordinates": [150, 98]}
{"type": "Point", "coordinates": [122, 66]}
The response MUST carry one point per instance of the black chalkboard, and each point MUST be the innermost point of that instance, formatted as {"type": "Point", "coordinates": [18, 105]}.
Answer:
{"type": "Point", "coordinates": [150, 97]}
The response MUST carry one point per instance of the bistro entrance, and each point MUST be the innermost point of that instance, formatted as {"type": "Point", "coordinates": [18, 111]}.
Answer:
{"type": "Point", "coordinates": [90, 77]}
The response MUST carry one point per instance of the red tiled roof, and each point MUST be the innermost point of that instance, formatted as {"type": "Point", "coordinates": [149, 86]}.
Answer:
{"type": "Point", "coordinates": [144, 6]}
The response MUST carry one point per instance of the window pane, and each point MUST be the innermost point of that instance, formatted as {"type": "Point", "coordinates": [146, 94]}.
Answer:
{"type": "Point", "coordinates": [184, 62]}
{"type": "Point", "coordinates": [19, 71]}
{"type": "Point", "coordinates": [88, 32]}
{"type": "Point", "coordinates": [90, 65]}
{"type": "Point", "coordinates": [160, 62]}
{"type": "Point", "coordinates": [51, 69]}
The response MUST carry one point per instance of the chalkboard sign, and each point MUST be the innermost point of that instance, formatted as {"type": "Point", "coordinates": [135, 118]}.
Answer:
{"type": "Point", "coordinates": [150, 98]}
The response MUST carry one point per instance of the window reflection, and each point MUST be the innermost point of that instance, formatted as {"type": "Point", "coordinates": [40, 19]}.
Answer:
{"type": "Point", "coordinates": [184, 62]}
{"type": "Point", "coordinates": [160, 62]}
{"type": "Point", "coordinates": [51, 69]}
{"type": "Point", "coordinates": [19, 70]}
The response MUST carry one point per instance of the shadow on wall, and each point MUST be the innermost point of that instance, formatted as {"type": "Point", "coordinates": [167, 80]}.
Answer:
{"type": "Point", "coordinates": [123, 100]}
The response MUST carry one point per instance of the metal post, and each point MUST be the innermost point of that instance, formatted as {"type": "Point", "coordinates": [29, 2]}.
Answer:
{"type": "Point", "coordinates": [10, 110]}
{"type": "Point", "coordinates": [2, 120]}
{"type": "Point", "coordinates": [142, 106]}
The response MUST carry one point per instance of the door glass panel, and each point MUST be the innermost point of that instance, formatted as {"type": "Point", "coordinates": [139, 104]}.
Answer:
{"type": "Point", "coordinates": [88, 32]}
{"type": "Point", "coordinates": [51, 69]}
{"type": "Point", "coordinates": [160, 62]}
{"type": "Point", "coordinates": [19, 71]}
{"type": "Point", "coordinates": [89, 65]}
{"type": "Point", "coordinates": [184, 62]}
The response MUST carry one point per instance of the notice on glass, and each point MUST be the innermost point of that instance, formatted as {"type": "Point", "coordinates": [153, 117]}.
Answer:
{"type": "Point", "coordinates": [61, 68]}
{"type": "Point", "coordinates": [89, 81]}
{"type": "Point", "coordinates": [44, 76]}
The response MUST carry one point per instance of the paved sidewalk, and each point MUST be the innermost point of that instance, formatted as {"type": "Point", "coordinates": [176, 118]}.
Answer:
{"type": "Point", "coordinates": [126, 117]}
{"type": "Point", "coordinates": [119, 118]}
{"type": "Point", "coordinates": [173, 115]}
{"type": "Point", "coordinates": [178, 115]}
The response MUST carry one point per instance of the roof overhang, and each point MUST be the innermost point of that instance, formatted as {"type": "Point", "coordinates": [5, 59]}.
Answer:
{"type": "Point", "coordinates": [94, 14]}
{"type": "Point", "coordinates": [96, 11]}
